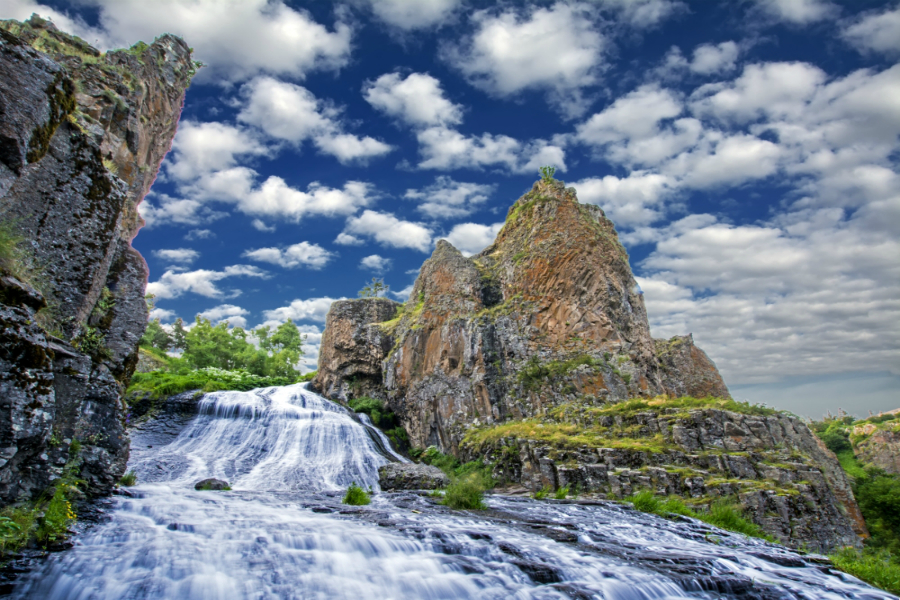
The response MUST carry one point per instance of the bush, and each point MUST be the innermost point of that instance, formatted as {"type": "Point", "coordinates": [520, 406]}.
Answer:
{"type": "Point", "coordinates": [542, 493]}
{"type": "Point", "coordinates": [561, 493]}
{"type": "Point", "coordinates": [356, 496]}
{"type": "Point", "coordinates": [466, 493]}
{"type": "Point", "coordinates": [645, 501]}
{"type": "Point", "coordinates": [57, 517]}
{"type": "Point", "coordinates": [16, 527]}
{"type": "Point", "coordinates": [726, 515]}
{"type": "Point", "coordinates": [128, 479]}
{"type": "Point", "coordinates": [159, 384]}
{"type": "Point", "coordinates": [873, 567]}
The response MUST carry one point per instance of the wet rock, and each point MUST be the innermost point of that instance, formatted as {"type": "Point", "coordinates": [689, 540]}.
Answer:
{"type": "Point", "coordinates": [411, 476]}
{"type": "Point", "coordinates": [212, 484]}
{"type": "Point", "coordinates": [81, 139]}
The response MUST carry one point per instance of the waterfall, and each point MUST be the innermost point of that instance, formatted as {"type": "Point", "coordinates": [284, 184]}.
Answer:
{"type": "Point", "coordinates": [282, 533]}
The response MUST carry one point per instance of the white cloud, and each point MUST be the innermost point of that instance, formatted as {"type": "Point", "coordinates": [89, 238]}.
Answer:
{"type": "Point", "coordinates": [313, 309]}
{"type": "Point", "coordinates": [875, 32]}
{"type": "Point", "coordinates": [183, 256]}
{"type": "Point", "coordinates": [472, 238]}
{"type": "Point", "coordinates": [447, 149]}
{"type": "Point", "coordinates": [234, 315]}
{"type": "Point", "coordinates": [417, 100]}
{"type": "Point", "coordinates": [629, 201]}
{"type": "Point", "coordinates": [260, 225]}
{"type": "Point", "coordinates": [162, 314]}
{"type": "Point", "coordinates": [403, 295]}
{"type": "Point", "coordinates": [643, 13]}
{"type": "Point", "coordinates": [199, 234]}
{"type": "Point", "coordinates": [174, 284]}
{"type": "Point", "coordinates": [448, 199]}
{"type": "Point", "coordinates": [416, 14]}
{"type": "Point", "coordinates": [289, 112]}
{"type": "Point", "coordinates": [388, 230]}
{"type": "Point", "coordinates": [206, 147]}
{"type": "Point", "coordinates": [237, 39]}
{"type": "Point", "coordinates": [709, 59]}
{"type": "Point", "coordinates": [798, 12]}
{"type": "Point", "coordinates": [176, 210]}
{"type": "Point", "coordinates": [557, 49]}
{"type": "Point", "coordinates": [348, 240]}
{"type": "Point", "coordinates": [730, 160]}
{"type": "Point", "coordinates": [376, 263]}
{"type": "Point", "coordinates": [275, 198]}
{"type": "Point", "coordinates": [303, 254]}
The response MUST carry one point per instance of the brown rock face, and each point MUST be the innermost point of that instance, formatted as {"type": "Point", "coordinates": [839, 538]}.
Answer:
{"type": "Point", "coordinates": [550, 312]}
{"type": "Point", "coordinates": [82, 135]}
{"type": "Point", "coordinates": [881, 447]}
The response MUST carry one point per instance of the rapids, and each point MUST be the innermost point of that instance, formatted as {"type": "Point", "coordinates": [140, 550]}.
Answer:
{"type": "Point", "coordinates": [282, 533]}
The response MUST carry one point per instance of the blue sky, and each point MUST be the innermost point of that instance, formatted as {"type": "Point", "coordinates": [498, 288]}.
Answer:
{"type": "Point", "coordinates": [747, 152]}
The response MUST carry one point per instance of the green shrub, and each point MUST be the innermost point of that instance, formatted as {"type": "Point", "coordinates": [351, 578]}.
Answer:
{"type": "Point", "coordinates": [356, 496]}
{"type": "Point", "coordinates": [16, 527]}
{"type": "Point", "coordinates": [466, 493]}
{"type": "Point", "coordinates": [307, 376]}
{"type": "Point", "coordinates": [159, 384]}
{"type": "Point", "coordinates": [58, 516]}
{"type": "Point", "coordinates": [645, 501]}
{"type": "Point", "coordinates": [727, 515]}
{"type": "Point", "coordinates": [873, 567]}
{"type": "Point", "coordinates": [128, 479]}
{"type": "Point", "coordinates": [561, 493]}
{"type": "Point", "coordinates": [542, 493]}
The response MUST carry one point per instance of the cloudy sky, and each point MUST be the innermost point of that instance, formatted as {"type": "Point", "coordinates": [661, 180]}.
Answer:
{"type": "Point", "coordinates": [747, 151]}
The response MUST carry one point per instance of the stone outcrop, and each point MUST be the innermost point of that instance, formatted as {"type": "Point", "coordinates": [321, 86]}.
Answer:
{"type": "Point", "coordinates": [82, 135]}
{"type": "Point", "coordinates": [546, 328]}
{"type": "Point", "coordinates": [549, 313]}
{"type": "Point", "coordinates": [878, 444]}
{"type": "Point", "coordinates": [411, 476]}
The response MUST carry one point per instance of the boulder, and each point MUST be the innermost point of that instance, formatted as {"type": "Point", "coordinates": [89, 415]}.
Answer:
{"type": "Point", "coordinates": [411, 476]}
{"type": "Point", "coordinates": [213, 484]}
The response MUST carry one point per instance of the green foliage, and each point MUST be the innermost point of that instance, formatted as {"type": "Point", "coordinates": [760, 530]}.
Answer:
{"type": "Point", "coordinates": [307, 376]}
{"type": "Point", "coordinates": [722, 513]}
{"type": "Point", "coordinates": [466, 492]}
{"type": "Point", "coordinates": [208, 487]}
{"type": "Point", "coordinates": [17, 525]}
{"type": "Point", "coordinates": [547, 173]}
{"type": "Point", "coordinates": [542, 493]}
{"type": "Point", "coordinates": [58, 516]}
{"type": "Point", "coordinates": [128, 479]}
{"type": "Point", "coordinates": [375, 289]}
{"type": "Point", "coordinates": [11, 254]}
{"type": "Point", "coordinates": [398, 437]}
{"type": "Point", "coordinates": [159, 384]}
{"type": "Point", "coordinates": [561, 493]}
{"type": "Point", "coordinates": [91, 341]}
{"type": "Point", "coordinates": [356, 496]}
{"type": "Point", "coordinates": [535, 373]}
{"type": "Point", "coordinates": [156, 337]}
{"type": "Point", "coordinates": [877, 568]}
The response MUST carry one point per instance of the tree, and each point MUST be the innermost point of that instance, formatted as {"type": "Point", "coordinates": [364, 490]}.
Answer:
{"type": "Point", "coordinates": [156, 337]}
{"type": "Point", "coordinates": [374, 289]}
{"type": "Point", "coordinates": [178, 333]}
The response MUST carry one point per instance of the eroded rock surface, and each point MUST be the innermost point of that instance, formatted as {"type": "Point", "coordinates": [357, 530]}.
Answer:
{"type": "Point", "coordinates": [411, 476]}
{"type": "Point", "coordinates": [82, 135]}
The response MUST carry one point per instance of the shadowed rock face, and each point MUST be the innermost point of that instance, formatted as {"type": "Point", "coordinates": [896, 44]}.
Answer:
{"type": "Point", "coordinates": [550, 312]}
{"type": "Point", "coordinates": [82, 136]}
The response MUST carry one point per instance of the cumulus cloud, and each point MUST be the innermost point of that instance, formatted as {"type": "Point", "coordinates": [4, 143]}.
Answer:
{"type": "Point", "coordinates": [446, 149]}
{"type": "Point", "coordinates": [345, 239]}
{"type": "Point", "coordinates": [449, 199]}
{"type": "Point", "coordinates": [558, 49]}
{"type": "Point", "coordinates": [235, 38]}
{"type": "Point", "coordinates": [174, 284]}
{"type": "Point", "coordinates": [798, 12]}
{"type": "Point", "coordinates": [709, 58]}
{"type": "Point", "coordinates": [417, 100]}
{"type": "Point", "coordinates": [233, 315]}
{"type": "Point", "coordinates": [642, 13]}
{"type": "Point", "coordinates": [206, 147]}
{"type": "Point", "coordinates": [199, 234]}
{"type": "Point", "coordinates": [289, 112]}
{"type": "Point", "coordinates": [629, 201]}
{"type": "Point", "coordinates": [312, 309]}
{"type": "Point", "coordinates": [260, 225]}
{"type": "Point", "coordinates": [376, 263]}
{"type": "Point", "coordinates": [158, 209]}
{"type": "Point", "coordinates": [472, 238]}
{"type": "Point", "coordinates": [412, 15]}
{"type": "Point", "coordinates": [875, 32]}
{"type": "Point", "coordinates": [388, 230]}
{"type": "Point", "coordinates": [303, 254]}
{"type": "Point", "coordinates": [181, 256]}
{"type": "Point", "coordinates": [162, 314]}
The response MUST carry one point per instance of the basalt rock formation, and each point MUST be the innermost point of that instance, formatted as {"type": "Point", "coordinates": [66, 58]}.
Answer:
{"type": "Point", "coordinates": [493, 355]}
{"type": "Point", "coordinates": [550, 312]}
{"type": "Point", "coordinates": [82, 135]}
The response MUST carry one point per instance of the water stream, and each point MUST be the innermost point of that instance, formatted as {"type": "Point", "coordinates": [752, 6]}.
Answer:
{"type": "Point", "coordinates": [282, 533]}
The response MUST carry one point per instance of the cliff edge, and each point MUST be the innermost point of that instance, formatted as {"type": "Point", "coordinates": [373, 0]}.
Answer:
{"type": "Point", "coordinates": [82, 135]}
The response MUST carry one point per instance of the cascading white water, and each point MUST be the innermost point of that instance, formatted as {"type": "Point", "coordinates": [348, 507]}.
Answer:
{"type": "Point", "coordinates": [282, 533]}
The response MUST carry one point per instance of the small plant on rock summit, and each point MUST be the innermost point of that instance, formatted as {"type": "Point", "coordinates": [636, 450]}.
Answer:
{"type": "Point", "coordinates": [356, 496]}
{"type": "Point", "coordinates": [547, 173]}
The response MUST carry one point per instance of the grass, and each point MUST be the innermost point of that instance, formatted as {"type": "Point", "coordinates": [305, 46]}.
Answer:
{"type": "Point", "coordinates": [128, 479]}
{"type": "Point", "coordinates": [874, 567]}
{"type": "Point", "coordinates": [17, 525]}
{"type": "Point", "coordinates": [159, 384]}
{"type": "Point", "coordinates": [722, 513]}
{"type": "Point", "coordinates": [535, 373]}
{"type": "Point", "coordinates": [356, 496]}
{"type": "Point", "coordinates": [466, 493]}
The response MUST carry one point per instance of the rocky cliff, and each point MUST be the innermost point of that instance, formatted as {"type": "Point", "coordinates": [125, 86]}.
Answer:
{"type": "Point", "coordinates": [549, 313]}
{"type": "Point", "coordinates": [82, 135]}
{"type": "Point", "coordinates": [534, 356]}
